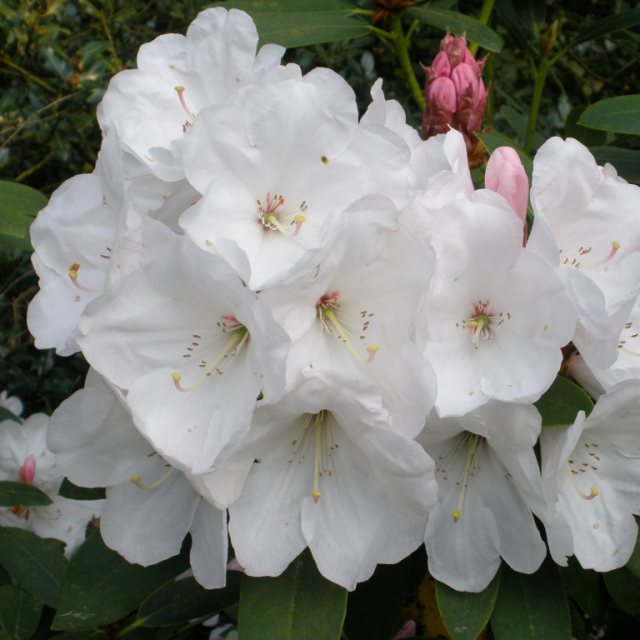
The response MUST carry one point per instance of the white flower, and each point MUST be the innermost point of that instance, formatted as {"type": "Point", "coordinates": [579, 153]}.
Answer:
{"type": "Point", "coordinates": [24, 457]}
{"type": "Point", "coordinates": [591, 470]}
{"type": "Point", "coordinates": [11, 403]}
{"type": "Point", "coordinates": [191, 344]}
{"type": "Point", "coordinates": [150, 506]}
{"type": "Point", "coordinates": [586, 225]}
{"type": "Point", "coordinates": [498, 315]}
{"type": "Point", "coordinates": [487, 473]}
{"type": "Point", "coordinates": [330, 474]}
{"type": "Point", "coordinates": [279, 168]}
{"type": "Point", "coordinates": [152, 106]}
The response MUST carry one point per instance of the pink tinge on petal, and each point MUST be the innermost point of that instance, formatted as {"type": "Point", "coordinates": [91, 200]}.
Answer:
{"type": "Point", "coordinates": [440, 66]}
{"type": "Point", "coordinates": [234, 565]}
{"type": "Point", "coordinates": [407, 630]}
{"type": "Point", "coordinates": [506, 175]}
{"type": "Point", "coordinates": [27, 471]}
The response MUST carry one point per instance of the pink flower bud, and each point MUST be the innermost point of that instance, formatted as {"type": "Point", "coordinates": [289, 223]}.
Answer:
{"type": "Point", "coordinates": [442, 95]}
{"type": "Point", "coordinates": [407, 630]}
{"type": "Point", "coordinates": [27, 472]}
{"type": "Point", "coordinates": [440, 66]}
{"type": "Point", "coordinates": [506, 175]}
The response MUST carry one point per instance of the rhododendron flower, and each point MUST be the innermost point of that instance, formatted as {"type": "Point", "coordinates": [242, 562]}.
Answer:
{"type": "Point", "coordinates": [150, 506]}
{"type": "Point", "coordinates": [330, 474]}
{"type": "Point", "coordinates": [24, 457]}
{"type": "Point", "coordinates": [497, 315]}
{"type": "Point", "coordinates": [487, 472]}
{"type": "Point", "coordinates": [592, 471]}
{"type": "Point", "coordinates": [192, 345]}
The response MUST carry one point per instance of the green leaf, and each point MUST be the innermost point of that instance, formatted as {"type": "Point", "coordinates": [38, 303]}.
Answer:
{"type": "Point", "coordinates": [496, 139]}
{"type": "Point", "coordinates": [37, 565]}
{"type": "Point", "coordinates": [18, 493]}
{"type": "Point", "coordinates": [185, 600]}
{"type": "Point", "coordinates": [616, 22]}
{"type": "Point", "coordinates": [457, 24]}
{"type": "Point", "coordinates": [560, 403]}
{"type": "Point", "coordinates": [620, 115]}
{"type": "Point", "coordinates": [18, 206]}
{"type": "Point", "coordinates": [626, 161]}
{"type": "Point", "coordinates": [19, 612]}
{"type": "Point", "coordinates": [374, 609]}
{"type": "Point", "coordinates": [531, 607]}
{"type": "Point", "coordinates": [584, 586]}
{"type": "Point", "coordinates": [299, 23]}
{"type": "Point", "coordinates": [73, 492]}
{"type": "Point", "coordinates": [298, 605]}
{"type": "Point", "coordinates": [100, 586]}
{"type": "Point", "coordinates": [624, 588]}
{"type": "Point", "coordinates": [465, 615]}
{"type": "Point", "coordinates": [5, 414]}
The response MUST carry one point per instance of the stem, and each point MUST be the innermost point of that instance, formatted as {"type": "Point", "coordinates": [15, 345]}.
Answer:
{"type": "Point", "coordinates": [27, 74]}
{"type": "Point", "coordinates": [127, 630]}
{"type": "Point", "coordinates": [483, 18]}
{"type": "Point", "coordinates": [402, 53]}
{"type": "Point", "coordinates": [112, 47]}
{"type": "Point", "coordinates": [541, 76]}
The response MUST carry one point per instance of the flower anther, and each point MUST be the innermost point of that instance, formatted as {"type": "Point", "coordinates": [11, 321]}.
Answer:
{"type": "Point", "coordinates": [272, 216]}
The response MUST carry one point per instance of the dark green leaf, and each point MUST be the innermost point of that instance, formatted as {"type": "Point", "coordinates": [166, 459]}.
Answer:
{"type": "Point", "coordinates": [18, 206]}
{"type": "Point", "coordinates": [560, 404]}
{"type": "Point", "coordinates": [185, 600]}
{"type": "Point", "coordinates": [633, 564]}
{"type": "Point", "coordinates": [100, 586]}
{"type": "Point", "coordinates": [301, 23]}
{"type": "Point", "coordinates": [588, 137]}
{"type": "Point", "coordinates": [531, 607]}
{"type": "Point", "coordinates": [93, 634]}
{"type": "Point", "coordinates": [496, 139]}
{"type": "Point", "coordinates": [5, 414]}
{"type": "Point", "coordinates": [298, 605]}
{"type": "Point", "coordinates": [621, 20]}
{"type": "Point", "coordinates": [584, 586]}
{"type": "Point", "coordinates": [18, 493]}
{"type": "Point", "coordinates": [72, 491]}
{"type": "Point", "coordinates": [19, 612]}
{"type": "Point", "coordinates": [465, 615]}
{"type": "Point", "coordinates": [35, 564]}
{"type": "Point", "coordinates": [624, 588]}
{"type": "Point", "coordinates": [374, 609]}
{"type": "Point", "coordinates": [626, 161]}
{"type": "Point", "coordinates": [5, 578]}
{"type": "Point", "coordinates": [620, 115]}
{"type": "Point", "coordinates": [457, 24]}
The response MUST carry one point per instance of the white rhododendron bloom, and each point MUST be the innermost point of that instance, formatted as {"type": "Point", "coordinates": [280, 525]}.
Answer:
{"type": "Point", "coordinates": [11, 403]}
{"type": "Point", "coordinates": [330, 474]}
{"type": "Point", "coordinates": [497, 315]}
{"type": "Point", "coordinates": [25, 458]}
{"type": "Point", "coordinates": [191, 345]}
{"type": "Point", "coordinates": [591, 215]}
{"type": "Point", "coordinates": [150, 505]}
{"type": "Point", "coordinates": [487, 474]}
{"type": "Point", "coordinates": [592, 471]}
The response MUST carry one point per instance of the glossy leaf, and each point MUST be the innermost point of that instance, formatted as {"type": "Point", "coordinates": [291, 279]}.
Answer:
{"type": "Point", "coordinates": [74, 492]}
{"type": "Point", "coordinates": [457, 24]}
{"type": "Point", "coordinates": [626, 161]}
{"type": "Point", "coordinates": [184, 600]}
{"type": "Point", "coordinates": [610, 24]}
{"type": "Point", "coordinates": [18, 493]}
{"type": "Point", "coordinates": [619, 115]}
{"type": "Point", "coordinates": [560, 404]}
{"type": "Point", "coordinates": [374, 609]}
{"type": "Point", "coordinates": [584, 586]}
{"type": "Point", "coordinates": [302, 22]}
{"type": "Point", "coordinates": [18, 206]}
{"type": "Point", "coordinates": [298, 605]}
{"type": "Point", "coordinates": [465, 615]}
{"type": "Point", "coordinates": [100, 586]}
{"type": "Point", "coordinates": [531, 607]}
{"type": "Point", "coordinates": [624, 588]}
{"type": "Point", "coordinates": [19, 612]}
{"type": "Point", "coordinates": [633, 564]}
{"type": "Point", "coordinates": [35, 564]}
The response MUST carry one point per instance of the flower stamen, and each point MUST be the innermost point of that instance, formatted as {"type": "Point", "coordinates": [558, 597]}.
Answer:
{"type": "Point", "coordinates": [137, 480]}
{"type": "Point", "coordinates": [469, 466]}
{"type": "Point", "coordinates": [73, 275]}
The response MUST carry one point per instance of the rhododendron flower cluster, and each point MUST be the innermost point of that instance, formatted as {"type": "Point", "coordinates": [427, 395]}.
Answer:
{"type": "Point", "coordinates": [308, 328]}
